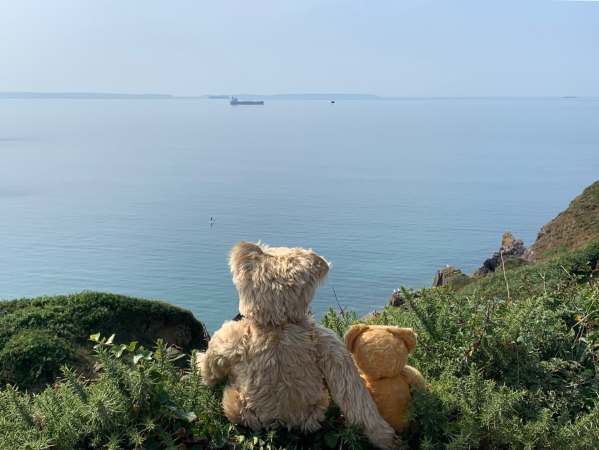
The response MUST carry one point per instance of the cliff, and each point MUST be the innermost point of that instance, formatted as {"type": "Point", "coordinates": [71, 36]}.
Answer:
{"type": "Point", "coordinates": [38, 336]}
{"type": "Point", "coordinates": [572, 229]}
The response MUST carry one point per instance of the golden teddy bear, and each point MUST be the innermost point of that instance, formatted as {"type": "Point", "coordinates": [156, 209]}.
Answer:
{"type": "Point", "coordinates": [280, 366]}
{"type": "Point", "coordinates": [381, 354]}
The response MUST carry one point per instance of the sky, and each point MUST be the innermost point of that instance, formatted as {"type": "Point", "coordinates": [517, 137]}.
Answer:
{"type": "Point", "coordinates": [394, 48]}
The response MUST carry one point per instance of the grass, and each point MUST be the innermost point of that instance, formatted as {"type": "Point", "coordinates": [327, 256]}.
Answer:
{"type": "Point", "coordinates": [500, 374]}
{"type": "Point", "coordinates": [505, 373]}
{"type": "Point", "coordinates": [569, 269]}
{"type": "Point", "coordinates": [572, 229]}
{"type": "Point", "coordinates": [38, 336]}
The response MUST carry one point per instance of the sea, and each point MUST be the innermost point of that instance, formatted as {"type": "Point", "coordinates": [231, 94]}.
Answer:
{"type": "Point", "coordinates": [145, 197]}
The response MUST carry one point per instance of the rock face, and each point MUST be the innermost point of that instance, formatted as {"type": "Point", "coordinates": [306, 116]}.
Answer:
{"type": "Point", "coordinates": [510, 248]}
{"type": "Point", "coordinates": [572, 229]}
{"type": "Point", "coordinates": [397, 298]}
{"type": "Point", "coordinates": [449, 276]}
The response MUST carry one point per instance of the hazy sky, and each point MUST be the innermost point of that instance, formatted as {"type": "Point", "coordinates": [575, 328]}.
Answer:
{"type": "Point", "coordinates": [398, 47]}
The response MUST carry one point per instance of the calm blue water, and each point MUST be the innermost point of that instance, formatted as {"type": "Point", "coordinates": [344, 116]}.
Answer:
{"type": "Point", "coordinates": [117, 195]}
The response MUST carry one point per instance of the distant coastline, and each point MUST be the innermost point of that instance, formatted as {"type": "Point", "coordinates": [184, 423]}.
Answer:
{"type": "Point", "coordinates": [83, 95]}
{"type": "Point", "coordinates": [151, 96]}
{"type": "Point", "coordinates": [301, 96]}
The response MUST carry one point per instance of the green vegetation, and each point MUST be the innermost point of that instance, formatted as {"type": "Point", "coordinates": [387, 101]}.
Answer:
{"type": "Point", "coordinates": [140, 399]}
{"type": "Point", "coordinates": [503, 372]}
{"type": "Point", "coordinates": [451, 276]}
{"type": "Point", "coordinates": [38, 336]}
{"type": "Point", "coordinates": [572, 229]}
{"type": "Point", "coordinates": [530, 280]}
{"type": "Point", "coordinates": [511, 360]}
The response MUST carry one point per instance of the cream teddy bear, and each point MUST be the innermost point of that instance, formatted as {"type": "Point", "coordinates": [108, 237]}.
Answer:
{"type": "Point", "coordinates": [381, 353]}
{"type": "Point", "coordinates": [278, 363]}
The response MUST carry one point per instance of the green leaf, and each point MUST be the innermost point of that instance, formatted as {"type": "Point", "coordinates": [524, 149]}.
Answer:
{"type": "Point", "coordinates": [110, 340]}
{"type": "Point", "coordinates": [119, 351]}
{"type": "Point", "coordinates": [137, 357]}
{"type": "Point", "coordinates": [94, 337]}
{"type": "Point", "coordinates": [330, 439]}
{"type": "Point", "coordinates": [132, 346]}
{"type": "Point", "coordinates": [190, 416]}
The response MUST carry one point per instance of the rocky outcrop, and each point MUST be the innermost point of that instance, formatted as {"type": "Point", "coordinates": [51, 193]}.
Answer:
{"type": "Point", "coordinates": [450, 276]}
{"type": "Point", "coordinates": [398, 297]}
{"type": "Point", "coordinates": [572, 229]}
{"type": "Point", "coordinates": [510, 248]}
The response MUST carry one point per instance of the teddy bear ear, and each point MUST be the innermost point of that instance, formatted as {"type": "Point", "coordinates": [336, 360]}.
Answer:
{"type": "Point", "coordinates": [244, 255]}
{"type": "Point", "coordinates": [352, 334]}
{"type": "Point", "coordinates": [407, 335]}
{"type": "Point", "coordinates": [320, 266]}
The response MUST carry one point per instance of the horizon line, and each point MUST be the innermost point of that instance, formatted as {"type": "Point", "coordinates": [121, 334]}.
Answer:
{"type": "Point", "coordinates": [154, 95]}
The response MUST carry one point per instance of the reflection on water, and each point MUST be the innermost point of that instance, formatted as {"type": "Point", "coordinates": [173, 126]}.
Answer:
{"type": "Point", "coordinates": [118, 195]}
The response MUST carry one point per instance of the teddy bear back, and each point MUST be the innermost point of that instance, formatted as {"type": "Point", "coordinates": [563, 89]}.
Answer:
{"type": "Point", "coordinates": [392, 397]}
{"type": "Point", "coordinates": [275, 284]}
{"type": "Point", "coordinates": [379, 354]}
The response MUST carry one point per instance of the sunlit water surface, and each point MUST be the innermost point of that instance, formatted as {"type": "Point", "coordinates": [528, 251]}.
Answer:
{"type": "Point", "coordinates": [117, 195]}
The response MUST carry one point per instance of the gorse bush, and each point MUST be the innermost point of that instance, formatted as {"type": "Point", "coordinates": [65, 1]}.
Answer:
{"type": "Point", "coordinates": [34, 356]}
{"type": "Point", "coordinates": [38, 336]}
{"type": "Point", "coordinates": [565, 271]}
{"type": "Point", "coordinates": [505, 372]}
{"type": "Point", "coordinates": [502, 372]}
{"type": "Point", "coordinates": [140, 399]}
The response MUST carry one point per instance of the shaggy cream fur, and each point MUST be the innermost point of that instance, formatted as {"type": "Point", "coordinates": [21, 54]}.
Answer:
{"type": "Point", "coordinates": [279, 364]}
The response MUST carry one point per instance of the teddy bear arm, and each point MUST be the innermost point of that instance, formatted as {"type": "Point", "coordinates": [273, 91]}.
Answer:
{"type": "Point", "coordinates": [413, 376]}
{"type": "Point", "coordinates": [223, 349]}
{"type": "Point", "coordinates": [213, 367]}
{"type": "Point", "coordinates": [349, 391]}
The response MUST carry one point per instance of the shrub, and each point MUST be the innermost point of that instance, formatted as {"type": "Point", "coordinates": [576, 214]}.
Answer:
{"type": "Point", "coordinates": [141, 399]}
{"type": "Point", "coordinates": [47, 332]}
{"type": "Point", "coordinates": [34, 356]}
{"type": "Point", "coordinates": [561, 274]}
{"type": "Point", "coordinates": [519, 372]}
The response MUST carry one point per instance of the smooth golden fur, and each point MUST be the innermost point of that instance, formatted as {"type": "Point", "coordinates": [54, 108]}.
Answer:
{"type": "Point", "coordinates": [279, 364]}
{"type": "Point", "coordinates": [381, 353]}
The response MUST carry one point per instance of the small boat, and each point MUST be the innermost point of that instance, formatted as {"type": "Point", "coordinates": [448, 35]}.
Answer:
{"type": "Point", "coordinates": [236, 101]}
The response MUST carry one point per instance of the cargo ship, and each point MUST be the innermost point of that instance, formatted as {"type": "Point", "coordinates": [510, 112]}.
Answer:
{"type": "Point", "coordinates": [235, 101]}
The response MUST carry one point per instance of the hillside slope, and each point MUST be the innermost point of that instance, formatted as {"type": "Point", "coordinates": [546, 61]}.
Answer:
{"type": "Point", "coordinates": [517, 371]}
{"type": "Point", "coordinates": [572, 229]}
{"type": "Point", "coordinates": [39, 335]}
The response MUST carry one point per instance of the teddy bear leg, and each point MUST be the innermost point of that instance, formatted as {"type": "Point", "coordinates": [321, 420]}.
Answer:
{"type": "Point", "coordinates": [316, 416]}
{"type": "Point", "coordinates": [232, 405]}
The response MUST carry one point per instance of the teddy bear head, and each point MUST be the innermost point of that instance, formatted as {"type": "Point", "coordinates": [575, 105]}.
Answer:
{"type": "Point", "coordinates": [380, 351]}
{"type": "Point", "coordinates": [275, 284]}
